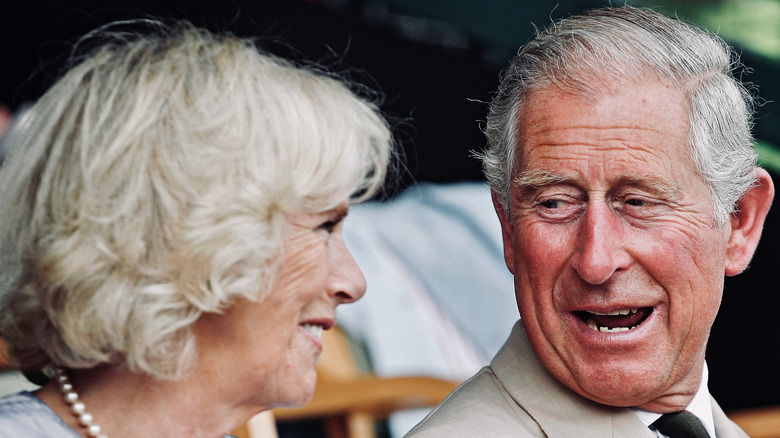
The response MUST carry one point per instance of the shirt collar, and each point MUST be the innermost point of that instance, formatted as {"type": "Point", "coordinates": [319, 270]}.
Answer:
{"type": "Point", "coordinates": [700, 406]}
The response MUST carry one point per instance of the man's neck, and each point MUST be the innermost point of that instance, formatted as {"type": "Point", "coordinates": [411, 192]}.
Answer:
{"type": "Point", "coordinates": [699, 406]}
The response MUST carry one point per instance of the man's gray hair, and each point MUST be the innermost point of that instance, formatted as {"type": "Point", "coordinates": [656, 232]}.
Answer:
{"type": "Point", "coordinates": [601, 50]}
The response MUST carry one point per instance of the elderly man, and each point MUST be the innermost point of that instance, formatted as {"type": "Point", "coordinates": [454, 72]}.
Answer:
{"type": "Point", "coordinates": [619, 155]}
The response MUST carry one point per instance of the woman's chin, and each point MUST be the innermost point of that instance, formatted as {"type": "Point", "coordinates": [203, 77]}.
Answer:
{"type": "Point", "coordinates": [299, 392]}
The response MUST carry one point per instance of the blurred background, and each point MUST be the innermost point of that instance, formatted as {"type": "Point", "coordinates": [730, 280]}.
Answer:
{"type": "Point", "coordinates": [436, 62]}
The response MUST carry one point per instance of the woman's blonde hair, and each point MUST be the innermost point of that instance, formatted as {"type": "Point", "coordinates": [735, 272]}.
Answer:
{"type": "Point", "coordinates": [150, 185]}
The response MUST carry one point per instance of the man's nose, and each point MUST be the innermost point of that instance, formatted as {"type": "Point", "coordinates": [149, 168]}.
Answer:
{"type": "Point", "coordinates": [346, 283]}
{"type": "Point", "coordinates": [600, 252]}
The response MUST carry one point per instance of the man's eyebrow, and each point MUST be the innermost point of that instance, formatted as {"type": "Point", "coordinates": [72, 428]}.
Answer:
{"type": "Point", "coordinates": [534, 179]}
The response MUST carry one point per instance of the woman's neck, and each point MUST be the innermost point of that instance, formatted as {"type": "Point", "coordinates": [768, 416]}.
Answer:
{"type": "Point", "coordinates": [128, 405]}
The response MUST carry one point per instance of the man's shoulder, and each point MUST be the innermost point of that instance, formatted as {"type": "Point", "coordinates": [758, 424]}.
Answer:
{"type": "Point", "coordinates": [479, 407]}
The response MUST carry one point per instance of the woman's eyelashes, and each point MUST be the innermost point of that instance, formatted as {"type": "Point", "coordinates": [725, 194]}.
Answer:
{"type": "Point", "coordinates": [329, 226]}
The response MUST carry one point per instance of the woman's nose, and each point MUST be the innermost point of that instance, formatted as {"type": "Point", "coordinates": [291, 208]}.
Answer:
{"type": "Point", "coordinates": [347, 283]}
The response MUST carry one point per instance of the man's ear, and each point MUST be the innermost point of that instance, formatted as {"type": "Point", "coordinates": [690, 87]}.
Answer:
{"type": "Point", "coordinates": [748, 222]}
{"type": "Point", "coordinates": [506, 231]}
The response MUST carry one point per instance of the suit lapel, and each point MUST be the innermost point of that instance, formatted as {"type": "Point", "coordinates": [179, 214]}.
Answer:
{"type": "Point", "coordinates": [559, 411]}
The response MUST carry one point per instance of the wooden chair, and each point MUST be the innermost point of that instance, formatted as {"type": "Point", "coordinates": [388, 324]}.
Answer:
{"type": "Point", "coordinates": [763, 422]}
{"type": "Point", "coordinates": [348, 400]}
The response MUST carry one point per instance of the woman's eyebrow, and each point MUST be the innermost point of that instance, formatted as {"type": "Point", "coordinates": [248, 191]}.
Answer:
{"type": "Point", "coordinates": [340, 212]}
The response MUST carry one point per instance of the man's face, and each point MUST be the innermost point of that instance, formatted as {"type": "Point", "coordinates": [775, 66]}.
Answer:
{"type": "Point", "coordinates": [617, 261]}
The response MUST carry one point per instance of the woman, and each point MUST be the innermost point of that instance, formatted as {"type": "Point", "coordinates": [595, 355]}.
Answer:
{"type": "Point", "coordinates": [171, 234]}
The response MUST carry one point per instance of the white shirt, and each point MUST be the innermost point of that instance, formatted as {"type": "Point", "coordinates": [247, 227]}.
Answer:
{"type": "Point", "coordinates": [700, 406]}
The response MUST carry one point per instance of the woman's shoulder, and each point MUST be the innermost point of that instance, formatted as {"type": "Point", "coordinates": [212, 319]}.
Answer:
{"type": "Point", "coordinates": [24, 414]}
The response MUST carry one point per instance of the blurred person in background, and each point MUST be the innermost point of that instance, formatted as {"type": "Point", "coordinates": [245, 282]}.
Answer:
{"type": "Point", "coordinates": [6, 117]}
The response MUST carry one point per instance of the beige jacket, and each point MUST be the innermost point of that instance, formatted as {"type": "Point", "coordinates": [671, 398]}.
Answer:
{"type": "Point", "coordinates": [516, 397]}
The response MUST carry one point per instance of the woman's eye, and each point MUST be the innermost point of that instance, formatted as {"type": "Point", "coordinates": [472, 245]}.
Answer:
{"type": "Point", "coordinates": [329, 226]}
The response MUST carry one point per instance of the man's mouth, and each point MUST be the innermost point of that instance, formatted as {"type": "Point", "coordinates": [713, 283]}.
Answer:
{"type": "Point", "coordinates": [615, 321]}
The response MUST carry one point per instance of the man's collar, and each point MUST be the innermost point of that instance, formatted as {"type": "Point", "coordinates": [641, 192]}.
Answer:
{"type": "Point", "coordinates": [699, 406]}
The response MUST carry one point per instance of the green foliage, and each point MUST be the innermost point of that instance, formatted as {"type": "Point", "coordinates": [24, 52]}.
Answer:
{"type": "Point", "coordinates": [768, 156]}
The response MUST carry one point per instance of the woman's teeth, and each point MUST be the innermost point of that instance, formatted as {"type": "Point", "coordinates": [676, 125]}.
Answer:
{"type": "Point", "coordinates": [315, 330]}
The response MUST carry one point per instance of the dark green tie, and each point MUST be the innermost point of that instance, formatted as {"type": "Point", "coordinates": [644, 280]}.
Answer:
{"type": "Point", "coordinates": [681, 424]}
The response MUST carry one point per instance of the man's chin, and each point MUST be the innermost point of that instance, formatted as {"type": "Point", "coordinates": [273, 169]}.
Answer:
{"type": "Point", "coordinates": [615, 388]}
{"type": "Point", "coordinates": [615, 398]}
{"type": "Point", "coordinates": [667, 403]}
{"type": "Point", "coordinates": [647, 397]}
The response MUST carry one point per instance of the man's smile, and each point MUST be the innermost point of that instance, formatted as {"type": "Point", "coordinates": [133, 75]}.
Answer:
{"type": "Point", "coordinates": [615, 321]}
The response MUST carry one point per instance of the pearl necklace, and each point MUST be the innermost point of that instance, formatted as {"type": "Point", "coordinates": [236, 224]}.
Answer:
{"type": "Point", "coordinates": [77, 406]}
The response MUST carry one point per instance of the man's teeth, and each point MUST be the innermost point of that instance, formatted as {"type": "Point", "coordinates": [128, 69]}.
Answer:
{"type": "Point", "coordinates": [598, 328]}
{"type": "Point", "coordinates": [315, 330]}
{"type": "Point", "coordinates": [616, 312]}
{"type": "Point", "coordinates": [592, 324]}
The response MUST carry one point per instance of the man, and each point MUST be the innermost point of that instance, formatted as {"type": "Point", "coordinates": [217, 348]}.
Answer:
{"type": "Point", "coordinates": [620, 161]}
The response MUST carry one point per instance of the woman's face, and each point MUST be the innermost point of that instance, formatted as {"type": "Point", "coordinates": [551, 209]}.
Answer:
{"type": "Point", "coordinates": [269, 349]}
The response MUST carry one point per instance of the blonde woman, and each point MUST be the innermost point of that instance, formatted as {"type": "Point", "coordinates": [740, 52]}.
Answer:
{"type": "Point", "coordinates": [171, 217]}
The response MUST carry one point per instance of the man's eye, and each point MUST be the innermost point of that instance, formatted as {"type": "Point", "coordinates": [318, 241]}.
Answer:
{"type": "Point", "coordinates": [641, 202]}
{"type": "Point", "coordinates": [636, 202]}
{"type": "Point", "coordinates": [558, 208]}
{"type": "Point", "coordinates": [641, 207]}
{"type": "Point", "coordinates": [552, 203]}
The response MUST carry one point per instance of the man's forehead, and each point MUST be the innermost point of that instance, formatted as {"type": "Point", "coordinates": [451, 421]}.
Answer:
{"type": "Point", "coordinates": [643, 122]}
{"type": "Point", "coordinates": [542, 108]}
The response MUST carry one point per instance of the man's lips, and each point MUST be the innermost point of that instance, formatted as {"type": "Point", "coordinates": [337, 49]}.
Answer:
{"type": "Point", "coordinates": [614, 321]}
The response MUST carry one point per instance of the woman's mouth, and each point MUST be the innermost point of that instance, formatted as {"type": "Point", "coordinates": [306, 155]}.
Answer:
{"type": "Point", "coordinates": [314, 329]}
{"type": "Point", "coordinates": [615, 321]}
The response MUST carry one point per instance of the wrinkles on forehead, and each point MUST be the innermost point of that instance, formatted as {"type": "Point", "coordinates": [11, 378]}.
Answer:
{"type": "Point", "coordinates": [617, 131]}
{"type": "Point", "coordinates": [544, 140]}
